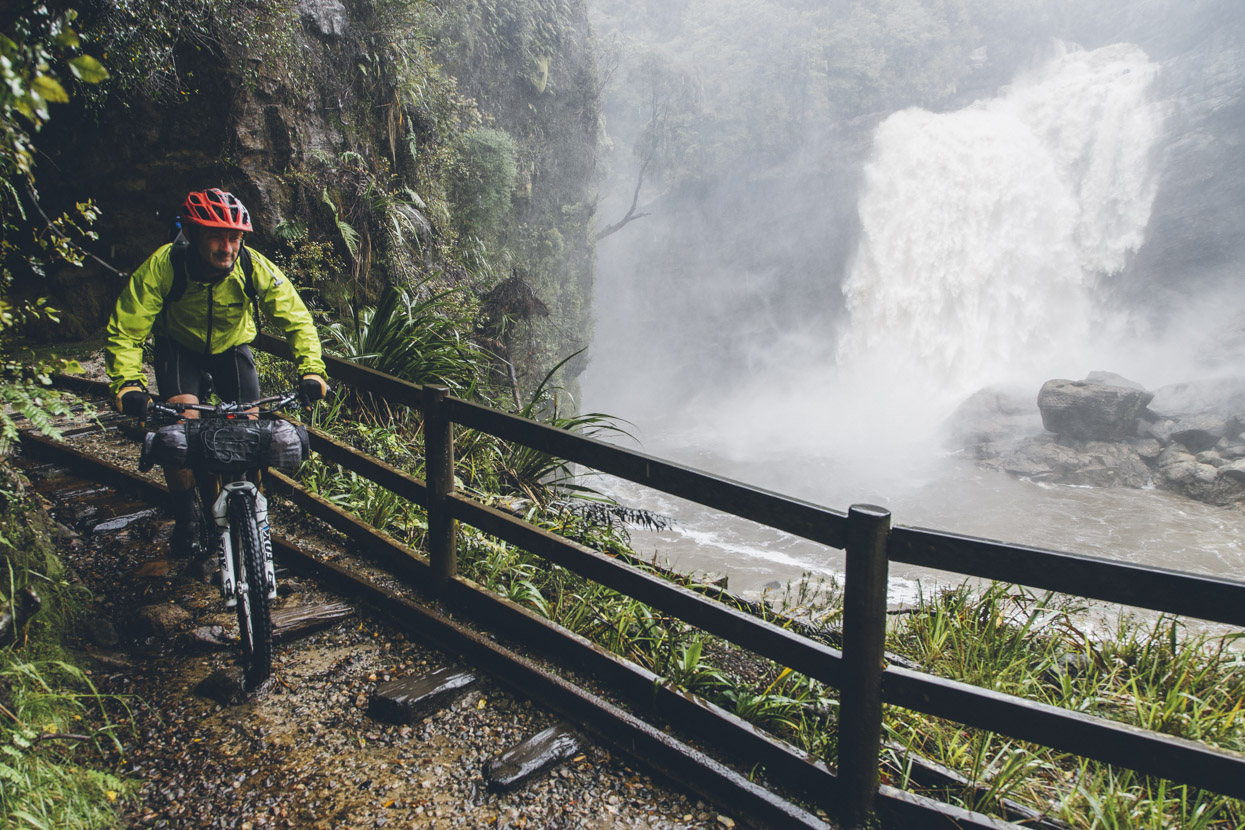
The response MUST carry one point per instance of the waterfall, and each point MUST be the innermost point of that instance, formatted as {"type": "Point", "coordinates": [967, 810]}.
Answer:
{"type": "Point", "coordinates": [987, 232]}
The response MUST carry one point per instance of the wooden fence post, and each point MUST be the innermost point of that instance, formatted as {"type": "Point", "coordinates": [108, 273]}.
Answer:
{"type": "Point", "coordinates": [864, 643]}
{"type": "Point", "coordinates": [439, 465]}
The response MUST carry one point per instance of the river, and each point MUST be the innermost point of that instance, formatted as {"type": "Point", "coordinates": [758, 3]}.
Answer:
{"type": "Point", "coordinates": [1147, 527]}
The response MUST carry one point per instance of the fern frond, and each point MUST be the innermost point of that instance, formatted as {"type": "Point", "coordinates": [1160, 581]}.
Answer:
{"type": "Point", "coordinates": [349, 235]}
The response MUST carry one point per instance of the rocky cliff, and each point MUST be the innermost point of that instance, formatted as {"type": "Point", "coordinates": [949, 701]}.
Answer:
{"type": "Point", "coordinates": [352, 130]}
{"type": "Point", "coordinates": [1194, 242]}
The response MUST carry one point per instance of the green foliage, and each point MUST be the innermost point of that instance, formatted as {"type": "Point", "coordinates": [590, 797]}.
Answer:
{"type": "Point", "coordinates": [54, 727]}
{"type": "Point", "coordinates": [46, 740]}
{"type": "Point", "coordinates": [141, 38]}
{"type": "Point", "coordinates": [398, 212]}
{"type": "Point", "coordinates": [349, 236]}
{"type": "Point", "coordinates": [413, 337]}
{"type": "Point", "coordinates": [534, 29]}
{"type": "Point", "coordinates": [32, 401]}
{"type": "Point", "coordinates": [481, 190]}
{"type": "Point", "coordinates": [148, 41]}
{"type": "Point", "coordinates": [41, 41]}
{"type": "Point", "coordinates": [36, 64]}
{"type": "Point", "coordinates": [537, 475]}
{"type": "Point", "coordinates": [317, 270]}
{"type": "Point", "coordinates": [529, 66]}
{"type": "Point", "coordinates": [291, 232]}
{"type": "Point", "coordinates": [374, 216]}
{"type": "Point", "coordinates": [1153, 675]}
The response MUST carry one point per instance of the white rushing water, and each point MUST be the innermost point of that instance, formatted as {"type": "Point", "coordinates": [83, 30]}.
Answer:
{"type": "Point", "coordinates": [988, 238]}
{"type": "Point", "coordinates": [987, 232]}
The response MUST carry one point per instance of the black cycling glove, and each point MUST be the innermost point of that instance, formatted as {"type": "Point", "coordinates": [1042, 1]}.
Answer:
{"type": "Point", "coordinates": [312, 388]}
{"type": "Point", "coordinates": [132, 401]}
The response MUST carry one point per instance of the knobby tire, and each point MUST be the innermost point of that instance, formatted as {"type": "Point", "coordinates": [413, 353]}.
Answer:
{"type": "Point", "coordinates": [254, 613]}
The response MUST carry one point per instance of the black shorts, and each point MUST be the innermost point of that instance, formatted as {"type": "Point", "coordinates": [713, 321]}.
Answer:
{"type": "Point", "coordinates": [179, 371]}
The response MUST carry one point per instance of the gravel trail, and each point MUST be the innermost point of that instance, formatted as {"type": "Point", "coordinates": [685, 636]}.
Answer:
{"type": "Point", "coordinates": [302, 751]}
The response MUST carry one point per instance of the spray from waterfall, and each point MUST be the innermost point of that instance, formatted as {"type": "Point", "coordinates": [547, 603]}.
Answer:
{"type": "Point", "coordinates": [988, 233]}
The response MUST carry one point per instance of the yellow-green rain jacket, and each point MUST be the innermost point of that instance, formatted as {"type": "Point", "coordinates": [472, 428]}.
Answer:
{"type": "Point", "coordinates": [209, 318]}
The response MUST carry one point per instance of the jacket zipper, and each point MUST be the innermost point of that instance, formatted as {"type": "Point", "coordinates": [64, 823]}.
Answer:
{"type": "Point", "coordinates": [207, 347]}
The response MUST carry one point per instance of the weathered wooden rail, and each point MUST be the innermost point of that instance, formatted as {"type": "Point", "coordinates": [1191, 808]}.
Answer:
{"type": "Point", "coordinates": [859, 670]}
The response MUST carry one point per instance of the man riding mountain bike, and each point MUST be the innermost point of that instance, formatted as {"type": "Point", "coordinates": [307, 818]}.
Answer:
{"type": "Point", "coordinates": [197, 302]}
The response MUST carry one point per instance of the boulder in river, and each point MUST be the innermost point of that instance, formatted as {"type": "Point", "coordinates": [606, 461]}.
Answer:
{"type": "Point", "coordinates": [1199, 433]}
{"type": "Point", "coordinates": [1224, 396]}
{"type": "Point", "coordinates": [1081, 463]}
{"type": "Point", "coordinates": [1092, 410]}
{"type": "Point", "coordinates": [1109, 431]}
{"type": "Point", "coordinates": [992, 415]}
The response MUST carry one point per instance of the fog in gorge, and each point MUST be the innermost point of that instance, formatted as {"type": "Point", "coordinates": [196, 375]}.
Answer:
{"type": "Point", "coordinates": [859, 216]}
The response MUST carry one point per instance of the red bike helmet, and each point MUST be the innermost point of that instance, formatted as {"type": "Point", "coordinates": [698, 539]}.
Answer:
{"type": "Point", "coordinates": [216, 209]}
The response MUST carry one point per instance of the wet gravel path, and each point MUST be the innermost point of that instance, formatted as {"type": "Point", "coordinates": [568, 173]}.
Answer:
{"type": "Point", "coordinates": [302, 751]}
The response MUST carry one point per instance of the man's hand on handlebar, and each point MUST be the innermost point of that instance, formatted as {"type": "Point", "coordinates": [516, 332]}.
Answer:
{"type": "Point", "coordinates": [312, 388]}
{"type": "Point", "coordinates": [132, 400]}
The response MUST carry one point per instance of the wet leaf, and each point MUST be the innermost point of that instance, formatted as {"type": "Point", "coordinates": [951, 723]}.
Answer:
{"type": "Point", "coordinates": [87, 68]}
{"type": "Point", "coordinates": [49, 89]}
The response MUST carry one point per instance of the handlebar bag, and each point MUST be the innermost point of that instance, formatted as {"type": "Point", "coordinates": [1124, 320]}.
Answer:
{"type": "Point", "coordinates": [166, 446]}
{"type": "Point", "coordinates": [226, 446]}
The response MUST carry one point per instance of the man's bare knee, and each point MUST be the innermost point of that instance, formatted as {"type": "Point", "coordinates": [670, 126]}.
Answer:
{"type": "Point", "coordinates": [179, 481]}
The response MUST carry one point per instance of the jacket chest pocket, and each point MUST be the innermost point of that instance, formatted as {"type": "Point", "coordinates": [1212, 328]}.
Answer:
{"type": "Point", "coordinates": [231, 301]}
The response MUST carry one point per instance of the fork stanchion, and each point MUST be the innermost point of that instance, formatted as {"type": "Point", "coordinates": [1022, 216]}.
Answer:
{"type": "Point", "coordinates": [439, 462]}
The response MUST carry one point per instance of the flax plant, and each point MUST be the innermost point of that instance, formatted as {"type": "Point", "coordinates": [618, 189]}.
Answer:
{"type": "Point", "coordinates": [415, 335]}
{"type": "Point", "coordinates": [1154, 675]}
{"type": "Point", "coordinates": [538, 475]}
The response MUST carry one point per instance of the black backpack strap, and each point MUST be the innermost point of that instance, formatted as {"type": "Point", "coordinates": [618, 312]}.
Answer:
{"type": "Point", "coordinates": [177, 257]}
{"type": "Point", "coordinates": [248, 271]}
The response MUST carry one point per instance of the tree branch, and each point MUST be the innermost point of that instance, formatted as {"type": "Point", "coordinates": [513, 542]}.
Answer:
{"type": "Point", "coordinates": [59, 736]}
{"type": "Point", "coordinates": [34, 201]}
{"type": "Point", "coordinates": [631, 214]}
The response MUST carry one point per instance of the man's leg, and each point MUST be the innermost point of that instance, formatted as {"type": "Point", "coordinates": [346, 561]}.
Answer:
{"type": "Point", "coordinates": [178, 379]}
{"type": "Point", "coordinates": [187, 512]}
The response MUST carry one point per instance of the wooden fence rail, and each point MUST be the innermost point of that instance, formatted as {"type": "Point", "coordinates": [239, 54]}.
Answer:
{"type": "Point", "coordinates": [865, 682]}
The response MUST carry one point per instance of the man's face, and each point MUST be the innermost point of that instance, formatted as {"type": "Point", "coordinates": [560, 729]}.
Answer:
{"type": "Point", "coordinates": [219, 246]}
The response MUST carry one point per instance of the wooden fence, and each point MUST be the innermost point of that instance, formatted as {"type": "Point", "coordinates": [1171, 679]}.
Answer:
{"type": "Point", "coordinates": [870, 541]}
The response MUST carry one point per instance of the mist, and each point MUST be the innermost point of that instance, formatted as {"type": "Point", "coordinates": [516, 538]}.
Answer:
{"type": "Point", "coordinates": [858, 216]}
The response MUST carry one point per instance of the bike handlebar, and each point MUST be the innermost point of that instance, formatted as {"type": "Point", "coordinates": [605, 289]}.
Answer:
{"type": "Point", "coordinates": [226, 409]}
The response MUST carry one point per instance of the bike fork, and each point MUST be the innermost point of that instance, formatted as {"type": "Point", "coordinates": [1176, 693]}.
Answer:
{"type": "Point", "coordinates": [229, 585]}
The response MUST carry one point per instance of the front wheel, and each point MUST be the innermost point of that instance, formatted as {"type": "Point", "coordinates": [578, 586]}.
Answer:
{"type": "Point", "coordinates": [254, 612]}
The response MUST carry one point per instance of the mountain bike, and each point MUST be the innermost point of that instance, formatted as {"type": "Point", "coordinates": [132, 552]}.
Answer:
{"type": "Point", "coordinates": [226, 446]}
